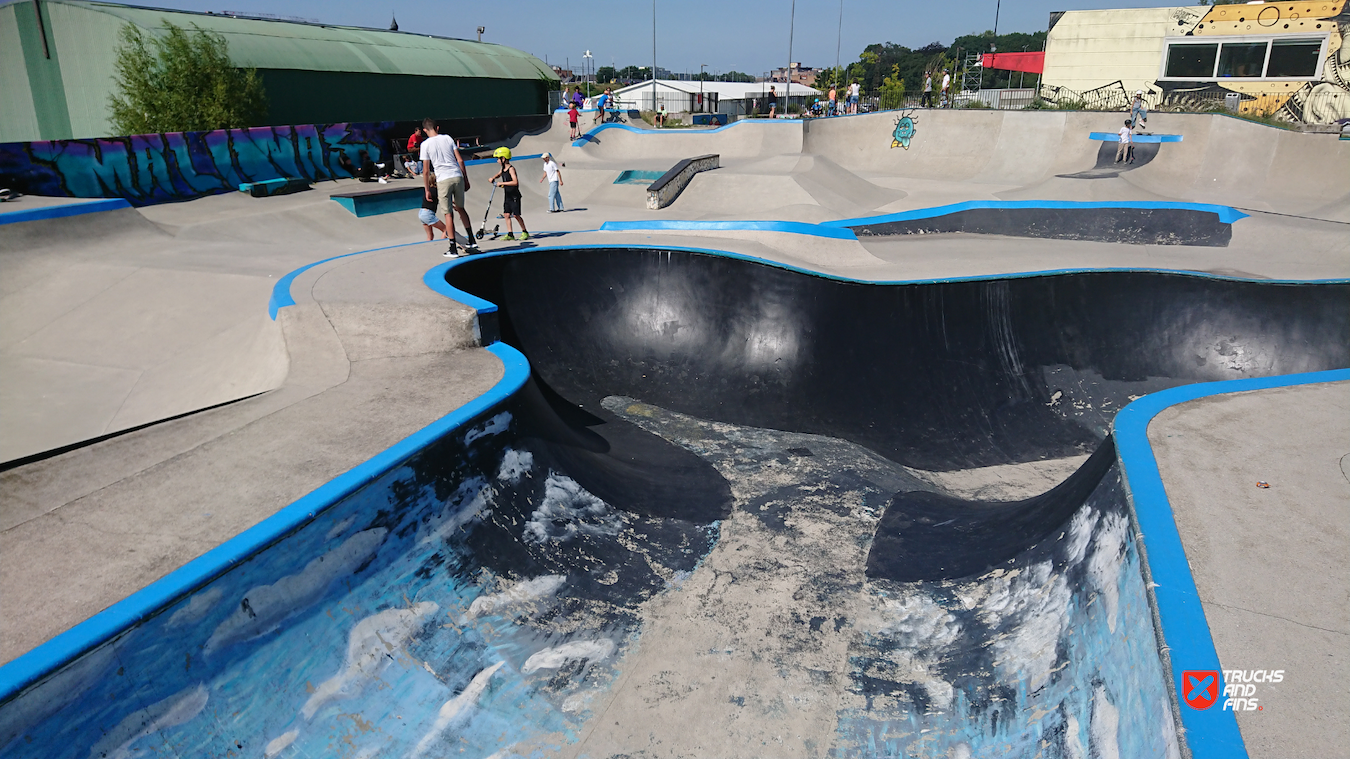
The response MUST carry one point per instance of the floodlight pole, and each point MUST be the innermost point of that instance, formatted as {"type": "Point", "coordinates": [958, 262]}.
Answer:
{"type": "Point", "coordinates": [792, 25]}
{"type": "Point", "coordinates": [653, 56]}
{"type": "Point", "coordinates": [838, 42]}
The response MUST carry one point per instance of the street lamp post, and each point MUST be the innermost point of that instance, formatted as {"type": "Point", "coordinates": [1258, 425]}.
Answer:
{"type": "Point", "coordinates": [588, 57]}
{"type": "Point", "coordinates": [701, 66]}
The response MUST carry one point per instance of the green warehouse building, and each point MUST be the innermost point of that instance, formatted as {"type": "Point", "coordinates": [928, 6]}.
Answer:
{"type": "Point", "coordinates": [56, 69]}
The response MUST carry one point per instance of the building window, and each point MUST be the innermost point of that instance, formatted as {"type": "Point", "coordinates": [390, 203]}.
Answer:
{"type": "Point", "coordinates": [1191, 61]}
{"type": "Point", "coordinates": [1294, 58]}
{"type": "Point", "coordinates": [1243, 58]}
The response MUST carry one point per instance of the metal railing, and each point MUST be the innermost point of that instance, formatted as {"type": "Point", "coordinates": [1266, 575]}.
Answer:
{"type": "Point", "coordinates": [1314, 104]}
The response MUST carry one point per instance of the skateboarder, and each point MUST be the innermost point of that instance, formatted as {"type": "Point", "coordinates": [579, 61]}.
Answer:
{"type": "Point", "coordinates": [510, 183]}
{"type": "Point", "coordinates": [572, 115]}
{"type": "Point", "coordinates": [927, 100]}
{"type": "Point", "coordinates": [1139, 111]}
{"type": "Point", "coordinates": [440, 154]}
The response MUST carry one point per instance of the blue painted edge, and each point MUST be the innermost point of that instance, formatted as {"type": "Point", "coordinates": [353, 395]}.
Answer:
{"type": "Point", "coordinates": [1210, 733]}
{"type": "Point", "coordinates": [482, 161]}
{"type": "Point", "coordinates": [281, 291]}
{"type": "Point", "coordinates": [1226, 214]}
{"type": "Point", "coordinates": [790, 227]}
{"type": "Point", "coordinates": [590, 133]}
{"type": "Point", "coordinates": [63, 210]}
{"type": "Point", "coordinates": [851, 280]}
{"type": "Point", "coordinates": [31, 667]}
{"type": "Point", "coordinates": [1113, 137]}
{"type": "Point", "coordinates": [435, 279]}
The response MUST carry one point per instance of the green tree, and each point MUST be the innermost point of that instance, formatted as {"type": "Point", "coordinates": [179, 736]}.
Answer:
{"type": "Point", "coordinates": [181, 81]}
{"type": "Point", "coordinates": [606, 74]}
{"type": "Point", "coordinates": [893, 89]}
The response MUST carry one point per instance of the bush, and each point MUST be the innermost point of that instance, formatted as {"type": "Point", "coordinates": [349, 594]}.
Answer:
{"type": "Point", "coordinates": [181, 81]}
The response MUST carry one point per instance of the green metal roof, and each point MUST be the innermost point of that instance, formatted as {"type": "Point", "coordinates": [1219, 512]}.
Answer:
{"type": "Point", "coordinates": [268, 44]}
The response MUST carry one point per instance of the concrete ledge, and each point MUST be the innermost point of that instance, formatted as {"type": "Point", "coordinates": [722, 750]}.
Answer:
{"type": "Point", "coordinates": [63, 210]}
{"type": "Point", "coordinates": [383, 200]}
{"type": "Point", "coordinates": [664, 190]}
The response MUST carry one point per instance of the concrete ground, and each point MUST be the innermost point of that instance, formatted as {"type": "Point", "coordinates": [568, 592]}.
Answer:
{"type": "Point", "coordinates": [1269, 562]}
{"type": "Point", "coordinates": [120, 319]}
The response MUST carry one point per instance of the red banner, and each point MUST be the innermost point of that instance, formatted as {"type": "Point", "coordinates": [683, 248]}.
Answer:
{"type": "Point", "coordinates": [1032, 63]}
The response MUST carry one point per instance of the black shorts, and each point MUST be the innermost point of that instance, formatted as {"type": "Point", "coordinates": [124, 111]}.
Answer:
{"type": "Point", "coordinates": [511, 203]}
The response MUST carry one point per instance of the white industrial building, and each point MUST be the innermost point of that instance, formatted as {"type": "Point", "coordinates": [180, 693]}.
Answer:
{"type": "Point", "coordinates": [716, 97]}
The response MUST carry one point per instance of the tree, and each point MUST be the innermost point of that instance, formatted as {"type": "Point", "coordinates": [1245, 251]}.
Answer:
{"type": "Point", "coordinates": [606, 74]}
{"type": "Point", "coordinates": [181, 81]}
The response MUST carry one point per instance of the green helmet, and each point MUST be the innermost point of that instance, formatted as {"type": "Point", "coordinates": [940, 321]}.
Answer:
{"type": "Point", "coordinates": [502, 153]}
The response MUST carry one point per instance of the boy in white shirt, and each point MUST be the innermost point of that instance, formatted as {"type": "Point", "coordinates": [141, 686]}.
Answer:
{"type": "Point", "coordinates": [1126, 143]}
{"type": "Point", "coordinates": [554, 177]}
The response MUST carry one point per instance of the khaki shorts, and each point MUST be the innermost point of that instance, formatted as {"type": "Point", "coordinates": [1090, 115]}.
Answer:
{"type": "Point", "coordinates": [451, 189]}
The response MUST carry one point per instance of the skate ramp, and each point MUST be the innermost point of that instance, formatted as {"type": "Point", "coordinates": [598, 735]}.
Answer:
{"type": "Point", "coordinates": [1031, 154]}
{"type": "Point", "coordinates": [686, 509]}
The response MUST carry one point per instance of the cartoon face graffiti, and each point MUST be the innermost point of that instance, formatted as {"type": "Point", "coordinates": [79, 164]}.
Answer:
{"type": "Point", "coordinates": [904, 132]}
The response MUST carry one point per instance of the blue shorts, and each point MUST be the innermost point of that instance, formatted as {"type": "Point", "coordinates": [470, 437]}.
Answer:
{"type": "Point", "coordinates": [852, 99]}
{"type": "Point", "coordinates": [427, 216]}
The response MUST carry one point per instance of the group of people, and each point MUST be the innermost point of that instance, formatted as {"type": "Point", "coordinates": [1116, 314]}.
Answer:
{"type": "Point", "coordinates": [1138, 120]}
{"type": "Point", "coordinates": [833, 107]}
{"type": "Point", "coordinates": [944, 100]}
{"type": "Point", "coordinates": [445, 182]}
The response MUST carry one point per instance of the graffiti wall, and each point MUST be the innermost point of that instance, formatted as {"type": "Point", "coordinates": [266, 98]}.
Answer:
{"type": "Point", "coordinates": [160, 168]}
{"type": "Point", "coordinates": [1323, 100]}
{"type": "Point", "coordinates": [1286, 61]}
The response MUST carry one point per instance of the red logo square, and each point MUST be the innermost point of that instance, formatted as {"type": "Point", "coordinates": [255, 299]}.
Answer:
{"type": "Point", "coordinates": [1200, 687]}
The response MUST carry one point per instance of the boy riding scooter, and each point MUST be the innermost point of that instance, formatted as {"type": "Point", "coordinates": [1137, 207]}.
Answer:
{"type": "Point", "coordinates": [510, 184]}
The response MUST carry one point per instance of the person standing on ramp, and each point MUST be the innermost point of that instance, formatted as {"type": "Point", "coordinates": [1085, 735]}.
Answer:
{"type": "Point", "coordinates": [510, 183]}
{"type": "Point", "coordinates": [440, 157]}
{"type": "Point", "coordinates": [773, 103]}
{"type": "Point", "coordinates": [1126, 147]}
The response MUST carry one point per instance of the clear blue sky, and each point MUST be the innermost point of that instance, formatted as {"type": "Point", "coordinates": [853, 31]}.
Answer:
{"type": "Point", "coordinates": [744, 35]}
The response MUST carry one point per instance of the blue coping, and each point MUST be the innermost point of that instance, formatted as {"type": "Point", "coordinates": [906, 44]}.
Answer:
{"type": "Point", "coordinates": [281, 291]}
{"type": "Point", "coordinates": [481, 161]}
{"type": "Point", "coordinates": [1112, 137]}
{"type": "Point", "coordinates": [790, 227]}
{"type": "Point", "coordinates": [1211, 732]}
{"type": "Point", "coordinates": [62, 211]}
{"type": "Point", "coordinates": [585, 138]}
{"type": "Point", "coordinates": [143, 604]}
{"type": "Point", "coordinates": [1227, 214]}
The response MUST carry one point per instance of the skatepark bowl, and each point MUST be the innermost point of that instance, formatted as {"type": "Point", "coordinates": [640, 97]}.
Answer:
{"type": "Point", "coordinates": [810, 514]}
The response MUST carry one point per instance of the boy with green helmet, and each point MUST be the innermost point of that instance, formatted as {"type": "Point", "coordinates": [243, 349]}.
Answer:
{"type": "Point", "coordinates": [510, 183]}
